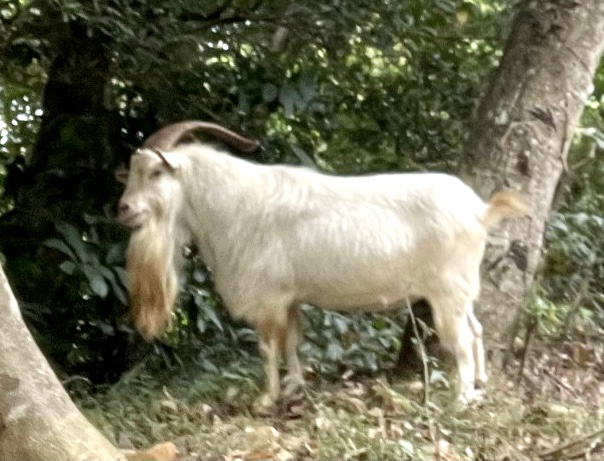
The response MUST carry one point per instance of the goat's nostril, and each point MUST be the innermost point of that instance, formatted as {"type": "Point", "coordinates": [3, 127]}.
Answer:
{"type": "Point", "coordinates": [123, 207]}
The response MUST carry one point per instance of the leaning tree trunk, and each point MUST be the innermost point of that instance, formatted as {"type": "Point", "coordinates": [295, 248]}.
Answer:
{"type": "Point", "coordinates": [523, 130]}
{"type": "Point", "coordinates": [37, 418]}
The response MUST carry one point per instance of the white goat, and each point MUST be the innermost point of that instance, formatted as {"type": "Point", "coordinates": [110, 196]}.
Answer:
{"type": "Point", "coordinates": [278, 236]}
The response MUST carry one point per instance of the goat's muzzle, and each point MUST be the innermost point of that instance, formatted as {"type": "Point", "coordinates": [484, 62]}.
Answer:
{"type": "Point", "coordinates": [129, 216]}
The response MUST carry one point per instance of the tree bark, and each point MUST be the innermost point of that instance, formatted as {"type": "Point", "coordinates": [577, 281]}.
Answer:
{"type": "Point", "coordinates": [523, 129]}
{"type": "Point", "coordinates": [37, 418]}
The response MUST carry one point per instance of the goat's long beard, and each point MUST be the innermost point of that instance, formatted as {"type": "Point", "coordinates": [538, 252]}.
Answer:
{"type": "Point", "coordinates": [152, 279]}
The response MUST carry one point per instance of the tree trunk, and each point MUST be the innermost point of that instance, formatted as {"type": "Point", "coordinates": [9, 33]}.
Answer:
{"type": "Point", "coordinates": [520, 140]}
{"type": "Point", "coordinates": [37, 418]}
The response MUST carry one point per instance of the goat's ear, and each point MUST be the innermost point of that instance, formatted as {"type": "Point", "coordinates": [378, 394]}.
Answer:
{"type": "Point", "coordinates": [167, 164]}
{"type": "Point", "coordinates": [121, 175]}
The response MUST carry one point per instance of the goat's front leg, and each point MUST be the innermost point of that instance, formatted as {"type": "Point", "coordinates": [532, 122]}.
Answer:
{"type": "Point", "coordinates": [294, 379]}
{"type": "Point", "coordinates": [271, 331]}
{"type": "Point", "coordinates": [269, 348]}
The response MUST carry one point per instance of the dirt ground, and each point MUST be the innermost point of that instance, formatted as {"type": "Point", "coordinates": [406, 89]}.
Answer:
{"type": "Point", "coordinates": [549, 407]}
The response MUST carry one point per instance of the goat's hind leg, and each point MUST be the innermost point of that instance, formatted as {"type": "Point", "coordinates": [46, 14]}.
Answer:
{"type": "Point", "coordinates": [455, 333]}
{"type": "Point", "coordinates": [294, 379]}
{"type": "Point", "coordinates": [478, 350]}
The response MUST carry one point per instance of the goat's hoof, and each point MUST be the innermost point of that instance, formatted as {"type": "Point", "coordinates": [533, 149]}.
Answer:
{"type": "Point", "coordinates": [292, 385]}
{"type": "Point", "coordinates": [264, 405]}
{"type": "Point", "coordinates": [471, 396]}
{"type": "Point", "coordinates": [481, 381]}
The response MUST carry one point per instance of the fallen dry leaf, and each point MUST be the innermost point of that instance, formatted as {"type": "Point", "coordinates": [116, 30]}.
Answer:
{"type": "Point", "coordinates": [265, 442]}
{"type": "Point", "coordinates": [166, 451]}
{"type": "Point", "coordinates": [391, 400]}
{"type": "Point", "coordinates": [443, 450]}
{"type": "Point", "coordinates": [169, 405]}
{"type": "Point", "coordinates": [263, 438]}
{"type": "Point", "coordinates": [351, 403]}
{"type": "Point", "coordinates": [415, 387]}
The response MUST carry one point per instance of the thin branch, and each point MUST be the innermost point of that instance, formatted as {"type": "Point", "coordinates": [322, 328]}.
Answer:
{"type": "Point", "coordinates": [201, 16]}
{"type": "Point", "coordinates": [576, 449]}
{"type": "Point", "coordinates": [423, 354]}
{"type": "Point", "coordinates": [530, 328]}
{"type": "Point", "coordinates": [576, 304]}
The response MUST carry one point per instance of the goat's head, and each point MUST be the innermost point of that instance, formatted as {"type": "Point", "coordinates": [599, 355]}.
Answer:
{"type": "Point", "coordinates": [152, 188]}
{"type": "Point", "coordinates": [151, 204]}
{"type": "Point", "coordinates": [150, 181]}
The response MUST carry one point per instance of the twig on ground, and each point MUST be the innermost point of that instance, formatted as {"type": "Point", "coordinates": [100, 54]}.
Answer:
{"type": "Point", "coordinates": [530, 328]}
{"type": "Point", "coordinates": [575, 305]}
{"type": "Point", "coordinates": [423, 354]}
{"type": "Point", "coordinates": [579, 448]}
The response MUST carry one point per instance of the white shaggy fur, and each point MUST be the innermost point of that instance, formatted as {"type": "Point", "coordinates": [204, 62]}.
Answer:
{"type": "Point", "coordinates": [278, 236]}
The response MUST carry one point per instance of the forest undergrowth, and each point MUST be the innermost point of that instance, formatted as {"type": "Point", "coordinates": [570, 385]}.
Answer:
{"type": "Point", "coordinates": [548, 405]}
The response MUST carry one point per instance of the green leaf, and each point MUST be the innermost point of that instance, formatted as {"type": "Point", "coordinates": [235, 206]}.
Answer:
{"type": "Point", "coordinates": [341, 324]}
{"type": "Point", "coordinates": [206, 365]}
{"type": "Point", "coordinates": [334, 351]}
{"type": "Point", "coordinates": [437, 376]}
{"type": "Point", "coordinates": [106, 328]}
{"type": "Point", "coordinates": [114, 255]}
{"type": "Point", "coordinates": [463, 13]}
{"type": "Point", "coordinates": [305, 159]}
{"type": "Point", "coordinates": [122, 275]}
{"type": "Point", "coordinates": [98, 285]}
{"type": "Point", "coordinates": [199, 275]}
{"type": "Point", "coordinates": [269, 92]}
{"type": "Point", "coordinates": [104, 271]}
{"type": "Point", "coordinates": [60, 246]}
{"type": "Point", "coordinates": [208, 311]}
{"type": "Point", "coordinates": [201, 325]}
{"type": "Point", "coordinates": [74, 239]}
{"type": "Point", "coordinates": [307, 88]}
{"type": "Point", "coordinates": [67, 267]}
{"type": "Point", "coordinates": [119, 292]}
{"type": "Point", "coordinates": [94, 219]}
{"type": "Point", "coordinates": [288, 97]}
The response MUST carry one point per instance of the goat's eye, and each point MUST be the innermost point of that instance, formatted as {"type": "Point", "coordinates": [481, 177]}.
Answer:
{"type": "Point", "coordinates": [156, 174]}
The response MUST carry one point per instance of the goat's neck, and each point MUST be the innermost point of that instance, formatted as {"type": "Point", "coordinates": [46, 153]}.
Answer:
{"type": "Point", "coordinates": [223, 191]}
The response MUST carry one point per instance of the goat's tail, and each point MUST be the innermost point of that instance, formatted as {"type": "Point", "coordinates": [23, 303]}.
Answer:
{"type": "Point", "coordinates": [505, 204]}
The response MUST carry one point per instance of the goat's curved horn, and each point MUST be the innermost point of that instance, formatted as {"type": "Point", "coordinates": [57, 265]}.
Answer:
{"type": "Point", "coordinates": [167, 137]}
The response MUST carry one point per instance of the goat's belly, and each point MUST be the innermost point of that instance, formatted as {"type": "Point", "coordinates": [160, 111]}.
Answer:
{"type": "Point", "coordinates": [361, 287]}
{"type": "Point", "coordinates": [362, 301]}
{"type": "Point", "coordinates": [357, 305]}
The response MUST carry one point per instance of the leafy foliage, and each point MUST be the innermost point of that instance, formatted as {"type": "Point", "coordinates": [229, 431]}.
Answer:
{"type": "Point", "coordinates": [83, 326]}
{"type": "Point", "coordinates": [349, 88]}
{"type": "Point", "coordinates": [336, 342]}
{"type": "Point", "coordinates": [573, 277]}
{"type": "Point", "coordinates": [102, 272]}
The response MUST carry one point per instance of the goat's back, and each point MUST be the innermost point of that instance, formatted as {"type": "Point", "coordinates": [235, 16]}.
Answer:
{"type": "Point", "coordinates": [389, 237]}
